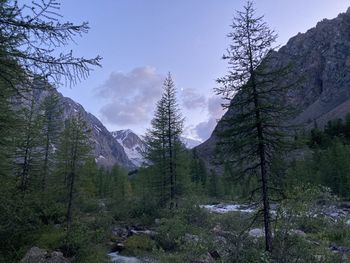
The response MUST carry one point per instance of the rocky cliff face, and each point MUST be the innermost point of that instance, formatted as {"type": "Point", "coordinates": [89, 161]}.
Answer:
{"type": "Point", "coordinates": [107, 150]}
{"type": "Point", "coordinates": [321, 59]}
{"type": "Point", "coordinates": [133, 145]}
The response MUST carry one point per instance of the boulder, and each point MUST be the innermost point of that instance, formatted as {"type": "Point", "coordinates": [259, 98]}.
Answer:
{"type": "Point", "coordinates": [297, 232]}
{"type": "Point", "coordinates": [207, 258]}
{"type": "Point", "coordinates": [37, 255]}
{"type": "Point", "coordinates": [256, 232]}
{"type": "Point", "coordinates": [34, 255]}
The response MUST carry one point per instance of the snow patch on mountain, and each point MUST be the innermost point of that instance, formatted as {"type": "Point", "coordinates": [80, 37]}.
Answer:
{"type": "Point", "coordinates": [190, 143]}
{"type": "Point", "coordinates": [132, 144]}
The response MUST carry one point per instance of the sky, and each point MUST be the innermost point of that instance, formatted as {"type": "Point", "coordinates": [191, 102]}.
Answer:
{"type": "Point", "coordinates": [142, 40]}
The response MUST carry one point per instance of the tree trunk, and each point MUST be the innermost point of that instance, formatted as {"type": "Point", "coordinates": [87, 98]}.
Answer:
{"type": "Point", "coordinates": [70, 201]}
{"type": "Point", "coordinates": [263, 171]}
{"type": "Point", "coordinates": [261, 151]}
{"type": "Point", "coordinates": [171, 168]}
{"type": "Point", "coordinates": [46, 162]}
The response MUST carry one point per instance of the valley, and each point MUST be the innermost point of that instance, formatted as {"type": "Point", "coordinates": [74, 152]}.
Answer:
{"type": "Point", "coordinates": [151, 165]}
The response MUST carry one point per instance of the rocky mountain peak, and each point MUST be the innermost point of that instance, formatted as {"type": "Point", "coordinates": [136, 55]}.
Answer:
{"type": "Point", "coordinates": [106, 150]}
{"type": "Point", "coordinates": [132, 144]}
{"type": "Point", "coordinates": [321, 59]}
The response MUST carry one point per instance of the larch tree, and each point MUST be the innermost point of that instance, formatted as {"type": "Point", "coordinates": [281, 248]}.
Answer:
{"type": "Point", "coordinates": [51, 129]}
{"type": "Point", "coordinates": [31, 37]}
{"type": "Point", "coordinates": [27, 143]}
{"type": "Point", "coordinates": [31, 34]}
{"type": "Point", "coordinates": [163, 145]}
{"type": "Point", "coordinates": [255, 127]}
{"type": "Point", "coordinates": [73, 151]}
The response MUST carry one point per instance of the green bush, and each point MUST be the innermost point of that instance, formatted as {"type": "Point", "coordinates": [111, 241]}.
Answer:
{"type": "Point", "coordinates": [51, 238]}
{"type": "Point", "coordinates": [95, 254]}
{"type": "Point", "coordinates": [171, 232]}
{"type": "Point", "coordinates": [138, 244]}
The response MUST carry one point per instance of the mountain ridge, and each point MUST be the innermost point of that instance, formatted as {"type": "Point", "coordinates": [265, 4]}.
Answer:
{"type": "Point", "coordinates": [106, 150]}
{"type": "Point", "coordinates": [321, 57]}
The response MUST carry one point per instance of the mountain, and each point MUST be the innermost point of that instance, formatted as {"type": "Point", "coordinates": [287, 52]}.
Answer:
{"type": "Point", "coordinates": [132, 144]}
{"type": "Point", "coordinates": [321, 59]}
{"type": "Point", "coordinates": [190, 143]}
{"type": "Point", "coordinates": [107, 151]}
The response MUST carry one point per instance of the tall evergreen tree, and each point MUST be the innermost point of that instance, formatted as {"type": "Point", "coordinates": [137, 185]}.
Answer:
{"type": "Point", "coordinates": [73, 152]}
{"type": "Point", "coordinates": [27, 142]}
{"type": "Point", "coordinates": [254, 131]}
{"type": "Point", "coordinates": [163, 145]}
{"type": "Point", "coordinates": [51, 129]}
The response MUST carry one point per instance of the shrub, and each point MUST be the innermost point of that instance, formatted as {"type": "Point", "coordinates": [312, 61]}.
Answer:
{"type": "Point", "coordinates": [171, 232]}
{"type": "Point", "coordinates": [51, 238]}
{"type": "Point", "coordinates": [138, 244]}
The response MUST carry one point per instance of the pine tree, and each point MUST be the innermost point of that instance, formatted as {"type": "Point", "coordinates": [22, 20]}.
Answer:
{"type": "Point", "coordinates": [254, 130]}
{"type": "Point", "coordinates": [214, 185]}
{"type": "Point", "coordinates": [51, 129]}
{"type": "Point", "coordinates": [198, 171]}
{"type": "Point", "coordinates": [8, 120]}
{"type": "Point", "coordinates": [163, 145]}
{"type": "Point", "coordinates": [27, 141]}
{"type": "Point", "coordinates": [73, 152]}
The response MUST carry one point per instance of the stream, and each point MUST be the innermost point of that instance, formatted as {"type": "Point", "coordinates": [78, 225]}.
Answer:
{"type": "Point", "coordinates": [116, 258]}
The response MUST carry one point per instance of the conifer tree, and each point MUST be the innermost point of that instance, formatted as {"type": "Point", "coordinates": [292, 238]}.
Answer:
{"type": "Point", "coordinates": [28, 33]}
{"type": "Point", "coordinates": [8, 120]}
{"type": "Point", "coordinates": [163, 145]}
{"type": "Point", "coordinates": [254, 129]}
{"type": "Point", "coordinates": [27, 143]}
{"type": "Point", "coordinates": [51, 129]}
{"type": "Point", "coordinates": [73, 152]}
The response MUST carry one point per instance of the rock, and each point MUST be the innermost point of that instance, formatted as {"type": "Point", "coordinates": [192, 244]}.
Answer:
{"type": "Point", "coordinates": [334, 215]}
{"type": "Point", "coordinates": [320, 57]}
{"type": "Point", "coordinates": [37, 255]}
{"type": "Point", "coordinates": [34, 255]}
{"type": "Point", "coordinates": [146, 232]}
{"type": "Point", "coordinates": [157, 221]}
{"type": "Point", "coordinates": [57, 254]}
{"type": "Point", "coordinates": [106, 149]}
{"type": "Point", "coordinates": [256, 232]}
{"type": "Point", "coordinates": [117, 247]}
{"type": "Point", "coordinates": [191, 238]}
{"type": "Point", "coordinates": [214, 254]}
{"type": "Point", "coordinates": [217, 229]}
{"type": "Point", "coordinates": [344, 205]}
{"type": "Point", "coordinates": [340, 249]}
{"type": "Point", "coordinates": [297, 232]}
{"type": "Point", "coordinates": [121, 232]}
{"type": "Point", "coordinates": [207, 258]}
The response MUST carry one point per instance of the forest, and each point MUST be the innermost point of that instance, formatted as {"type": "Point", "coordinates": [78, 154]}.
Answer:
{"type": "Point", "coordinates": [288, 185]}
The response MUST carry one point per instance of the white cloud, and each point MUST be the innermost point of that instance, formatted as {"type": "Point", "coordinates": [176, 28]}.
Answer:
{"type": "Point", "coordinates": [215, 110]}
{"type": "Point", "coordinates": [191, 99]}
{"type": "Point", "coordinates": [131, 97]}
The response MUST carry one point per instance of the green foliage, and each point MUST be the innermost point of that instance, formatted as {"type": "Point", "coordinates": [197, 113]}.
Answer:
{"type": "Point", "coordinates": [215, 185]}
{"type": "Point", "coordinates": [29, 31]}
{"type": "Point", "coordinates": [51, 237]}
{"type": "Point", "coordinates": [329, 167]}
{"type": "Point", "coordinates": [164, 147]}
{"type": "Point", "coordinates": [338, 129]}
{"type": "Point", "coordinates": [137, 244]}
{"type": "Point", "coordinates": [171, 232]}
{"type": "Point", "coordinates": [31, 190]}
{"type": "Point", "coordinates": [96, 253]}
